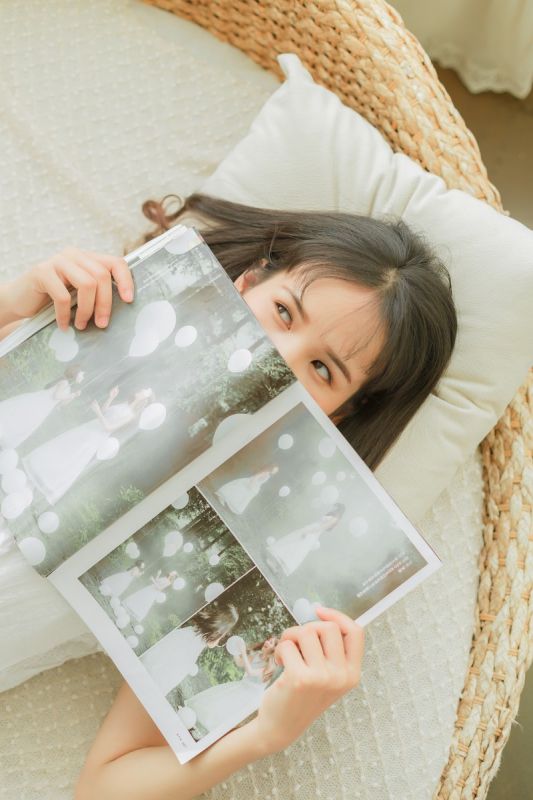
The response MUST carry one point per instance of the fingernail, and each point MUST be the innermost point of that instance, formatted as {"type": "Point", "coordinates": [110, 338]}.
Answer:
{"type": "Point", "coordinates": [128, 294]}
{"type": "Point", "coordinates": [102, 321]}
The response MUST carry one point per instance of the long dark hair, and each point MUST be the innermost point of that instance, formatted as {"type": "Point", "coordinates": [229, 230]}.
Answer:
{"type": "Point", "coordinates": [215, 621]}
{"type": "Point", "coordinates": [412, 288]}
{"type": "Point", "coordinates": [336, 511]}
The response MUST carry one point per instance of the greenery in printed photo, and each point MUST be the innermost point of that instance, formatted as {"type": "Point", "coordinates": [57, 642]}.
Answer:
{"type": "Point", "coordinates": [262, 615]}
{"type": "Point", "coordinates": [213, 361]}
{"type": "Point", "coordinates": [188, 542]}
{"type": "Point", "coordinates": [276, 494]}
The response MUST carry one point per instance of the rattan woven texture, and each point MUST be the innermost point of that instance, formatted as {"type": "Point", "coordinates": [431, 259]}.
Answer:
{"type": "Point", "coordinates": [362, 51]}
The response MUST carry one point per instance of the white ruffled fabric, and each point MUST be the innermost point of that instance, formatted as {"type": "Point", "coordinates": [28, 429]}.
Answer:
{"type": "Point", "coordinates": [120, 102]}
{"type": "Point", "coordinates": [490, 45]}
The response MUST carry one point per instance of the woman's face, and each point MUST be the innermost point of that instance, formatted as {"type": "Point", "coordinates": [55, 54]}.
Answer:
{"type": "Point", "coordinates": [269, 645]}
{"type": "Point", "coordinates": [140, 398]}
{"type": "Point", "coordinates": [336, 317]}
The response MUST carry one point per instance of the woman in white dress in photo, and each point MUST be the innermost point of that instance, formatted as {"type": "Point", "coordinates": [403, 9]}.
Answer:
{"type": "Point", "coordinates": [216, 705]}
{"type": "Point", "coordinates": [140, 602]}
{"type": "Point", "coordinates": [288, 552]}
{"type": "Point", "coordinates": [174, 656]}
{"type": "Point", "coordinates": [236, 494]}
{"type": "Point", "coordinates": [117, 583]}
{"type": "Point", "coordinates": [21, 415]}
{"type": "Point", "coordinates": [55, 465]}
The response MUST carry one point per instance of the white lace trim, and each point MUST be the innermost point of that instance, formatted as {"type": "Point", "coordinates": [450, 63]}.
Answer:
{"type": "Point", "coordinates": [480, 77]}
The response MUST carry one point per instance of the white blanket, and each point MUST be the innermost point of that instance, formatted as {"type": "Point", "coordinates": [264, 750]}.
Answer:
{"type": "Point", "coordinates": [115, 103]}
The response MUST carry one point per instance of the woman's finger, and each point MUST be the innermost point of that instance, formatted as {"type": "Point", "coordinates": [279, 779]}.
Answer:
{"type": "Point", "coordinates": [344, 622]}
{"type": "Point", "coordinates": [103, 300]}
{"type": "Point", "coordinates": [330, 640]}
{"type": "Point", "coordinates": [354, 643]}
{"type": "Point", "coordinates": [306, 638]}
{"type": "Point", "coordinates": [288, 656]}
{"type": "Point", "coordinates": [353, 633]}
{"type": "Point", "coordinates": [58, 292]}
{"type": "Point", "coordinates": [82, 280]}
{"type": "Point", "coordinates": [121, 273]}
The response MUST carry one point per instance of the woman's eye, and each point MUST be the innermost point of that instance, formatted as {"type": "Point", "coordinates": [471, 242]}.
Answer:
{"type": "Point", "coordinates": [328, 375]}
{"type": "Point", "coordinates": [279, 305]}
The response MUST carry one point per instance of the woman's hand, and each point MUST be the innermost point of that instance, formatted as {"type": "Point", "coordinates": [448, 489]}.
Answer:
{"type": "Point", "coordinates": [113, 393]}
{"type": "Point", "coordinates": [322, 661]}
{"type": "Point", "coordinates": [89, 272]}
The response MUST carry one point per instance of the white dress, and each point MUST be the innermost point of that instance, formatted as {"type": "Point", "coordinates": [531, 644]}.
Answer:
{"type": "Point", "coordinates": [21, 415]}
{"type": "Point", "coordinates": [140, 602]}
{"type": "Point", "coordinates": [55, 465]}
{"type": "Point", "coordinates": [238, 493]}
{"type": "Point", "coordinates": [218, 704]}
{"type": "Point", "coordinates": [114, 585]}
{"type": "Point", "coordinates": [289, 551]}
{"type": "Point", "coordinates": [174, 657]}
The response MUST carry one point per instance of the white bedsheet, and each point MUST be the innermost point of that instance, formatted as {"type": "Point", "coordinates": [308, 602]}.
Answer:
{"type": "Point", "coordinates": [120, 102]}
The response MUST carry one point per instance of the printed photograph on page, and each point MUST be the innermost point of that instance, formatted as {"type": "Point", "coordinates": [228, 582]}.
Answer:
{"type": "Point", "coordinates": [92, 421]}
{"type": "Point", "coordinates": [167, 571]}
{"type": "Point", "coordinates": [188, 601]}
{"type": "Point", "coordinates": [215, 667]}
{"type": "Point", "coordinates": [309, 521]}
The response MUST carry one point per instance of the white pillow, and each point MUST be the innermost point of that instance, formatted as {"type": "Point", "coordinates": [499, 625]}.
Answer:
{"type": "Point", "coordinates": [306, 150]}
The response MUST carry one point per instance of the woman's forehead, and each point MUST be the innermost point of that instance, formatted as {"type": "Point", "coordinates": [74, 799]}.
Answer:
{"type": "Point", "coordinates": [347, 314]}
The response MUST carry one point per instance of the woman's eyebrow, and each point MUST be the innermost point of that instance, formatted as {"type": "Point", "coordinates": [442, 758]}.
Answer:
{"type": "Point", "coordinates": [298, 303]}
{"type": "Point", "coordinates": [336, 360]}
{"type": "Point", "coordinates": [341, 365]}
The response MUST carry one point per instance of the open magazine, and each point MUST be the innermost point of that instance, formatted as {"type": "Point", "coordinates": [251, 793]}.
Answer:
{"type": "Point", "coordinates": [171, 477]}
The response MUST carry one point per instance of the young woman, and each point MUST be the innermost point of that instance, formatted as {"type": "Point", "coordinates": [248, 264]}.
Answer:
{"type": "Point", "coordinates": [290, 551]}
{"type": "Point", "coordinates": [115, 584]}
{"type": "Point", "coordinates": [174, 656]}
{"type": "Point", "coordinates": [22, 414]}
{"type": "Point", "coordinates": [55, 465]}
{"type": "Point", "coordinates": [237, 494]}
{"type": "Point", "coordinates": [140, 602]}
{"type": "Point", "coordinates": [215, 705]}
{"type": "Point", "coordinates": [362, 311]}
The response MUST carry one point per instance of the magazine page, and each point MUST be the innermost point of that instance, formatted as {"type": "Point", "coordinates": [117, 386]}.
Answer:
{"type": "Point", "coordinates": [93, 421]}
{"type": "Point", "coordinates": [191, 605]}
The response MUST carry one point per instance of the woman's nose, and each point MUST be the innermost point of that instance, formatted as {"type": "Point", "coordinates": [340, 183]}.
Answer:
{"type": "Point", "coordinates": [290, 348]}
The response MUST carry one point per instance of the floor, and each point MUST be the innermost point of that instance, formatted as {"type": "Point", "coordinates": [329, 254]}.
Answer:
{"type": "Point", "coordinates": [503, 127]}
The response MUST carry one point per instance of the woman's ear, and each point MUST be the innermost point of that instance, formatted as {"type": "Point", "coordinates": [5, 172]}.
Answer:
{"type": "Point", "coordinates": [248, 278]}
{"type": "Point", "coordinates": [245, 281]}
{"type": "Point", "coordinates": [239, 283]}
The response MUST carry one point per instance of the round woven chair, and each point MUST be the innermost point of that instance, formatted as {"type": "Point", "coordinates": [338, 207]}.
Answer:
{"type": "Point", "coordinates": [361, 50]}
